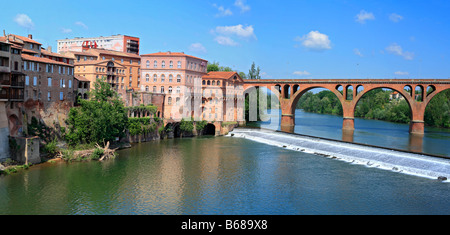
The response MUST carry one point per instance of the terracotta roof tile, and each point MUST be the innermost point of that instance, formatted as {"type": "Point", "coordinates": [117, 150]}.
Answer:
{"type": "Point", "coordinates": [43, 60]}
{"type": "Point", "coordinates": [219, 75]}
{"type": "Point", "coordinates": [169, 53]}
{"type": "Point", "coordinates": [25, 39]}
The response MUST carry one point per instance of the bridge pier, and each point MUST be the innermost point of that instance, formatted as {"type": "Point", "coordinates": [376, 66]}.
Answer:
{"type": "Point", "coordinates": [417, 127]}
{"type": "Point", "coordinates": [287, 123]}
{"type": "Point", "coordinates": [348, 123]}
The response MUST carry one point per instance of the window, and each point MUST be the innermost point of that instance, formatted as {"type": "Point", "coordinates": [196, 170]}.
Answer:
{"type": "Point", "coordinates": [70, 83]}
{"type": "Point", "coordinates": [171, 64]}
{"type": "Point", "coordinates": [169, 101]}
{"type": "Point", "coordinates": [154, 89]}
{"type": "Point", "coordinates": [179, 64]}
{"type": "Point", "coordinates": [203, 82]}
{"type": "Point", "coordinates": [34, 81]}
{"type": "Point", "coordinates": [178, 90]}
{"type": "Point", "coordinates": [61, 95]}
{"type": "Point", "coordinates": [27, 80]}
{"type": "Point", "coordinates": [121, 61]}
{"type": "Point", "coordinates": [155, 64]}
{"type": "Point", "coordinates": [147, 64]}
{"type": "Point", "coordinates": [218, 83]}
{"type": "Point", "coordinates": [163, 78]}
{"type": "Point", "coordinates": [131, 61]}
{"type": "Point", "coordinates": [147, 88]}
{"type": "Point", "coordinates": [170, 90]}
{"type": "Point", "coordinates": [163, 64]}
{"type": "Point", "coordinates": [178, 78]}
{"type": "Point", "coordinates": [147, 78]}
{"type": "Point", "coordinates": [213, 83]}
{"type": "Point", "coordinates": [49, 82]}
{"type": "Point", "coordinates": [162, 89]}
{"type": "Point", "coordinates": [49, 97]}
{"type": "Point", "coordinates": [155, 78]}
{"type": "Point", "coordinates": [170, 78]}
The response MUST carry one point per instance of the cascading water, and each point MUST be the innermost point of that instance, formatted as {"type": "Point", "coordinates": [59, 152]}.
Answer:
{"type": "Point", "coordinates": [399, 161]}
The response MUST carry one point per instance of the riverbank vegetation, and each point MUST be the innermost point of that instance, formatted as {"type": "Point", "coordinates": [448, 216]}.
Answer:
{"type": "Point", "coordinates": [377, 104]}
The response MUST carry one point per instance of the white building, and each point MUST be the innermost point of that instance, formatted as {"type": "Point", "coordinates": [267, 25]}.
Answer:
{"type": "Point", "coordinates": [118, 42]}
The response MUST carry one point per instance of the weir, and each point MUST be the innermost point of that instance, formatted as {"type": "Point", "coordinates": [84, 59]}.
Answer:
{"type": "Point", "coordinates": [371, 156]}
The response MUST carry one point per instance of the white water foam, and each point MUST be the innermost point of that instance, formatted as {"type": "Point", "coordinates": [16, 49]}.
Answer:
{"type": "Point", "coordinates": [402, 162]}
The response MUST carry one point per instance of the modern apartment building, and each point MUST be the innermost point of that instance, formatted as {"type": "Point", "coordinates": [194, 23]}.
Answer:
{"type": "Point", "coordinates": [121, 43]}
{"type": "Point", "coordinates": [120, 69]}
{"type": "Point", "coordinates": [177, 75]}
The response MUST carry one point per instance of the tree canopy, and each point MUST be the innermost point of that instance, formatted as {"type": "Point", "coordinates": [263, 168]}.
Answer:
{"type": "Point", "coordinates": [101, 118]}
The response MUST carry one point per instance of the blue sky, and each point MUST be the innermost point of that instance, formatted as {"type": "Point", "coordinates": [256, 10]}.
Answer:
{"type": "Point", "coordinates": [290, 39]}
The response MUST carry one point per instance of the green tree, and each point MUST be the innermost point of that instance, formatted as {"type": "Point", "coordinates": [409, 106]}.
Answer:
{"type": "Point", "coordinates": [213, 67]}
{"type": "Point", "coordinates": [253, 73]}
{"type": "Point", "coordinates": [101, 118]}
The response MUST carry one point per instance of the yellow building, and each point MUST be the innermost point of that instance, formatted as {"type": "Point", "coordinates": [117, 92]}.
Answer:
{"type": "Point", "coordinates": [121, 70]}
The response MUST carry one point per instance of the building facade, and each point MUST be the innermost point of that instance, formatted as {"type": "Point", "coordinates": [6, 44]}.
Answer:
{"type": "Point", "coordinates": [120, 43]}
{"type": "Point", "coordinates": [178, 76]}
{"type": "Point", "coordinates": [42, 85]}
{"type": "Point", "coordinates": [222, 98]}
{"type": "Point", "coordinates": [120, 69]}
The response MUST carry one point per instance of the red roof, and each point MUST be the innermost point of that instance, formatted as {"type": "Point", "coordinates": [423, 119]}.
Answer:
{"type": "Point", "coordinates": [219, 75]}
{"type": "Point", "coordinates": [169, 53]}
{"type": "Point", "coordinates": [43, 60]}
{"type": "Point", "coordinates": [25, 39]}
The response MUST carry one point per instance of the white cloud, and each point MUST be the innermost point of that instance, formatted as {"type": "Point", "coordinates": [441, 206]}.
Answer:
{"type": "Point", "coordinates": [222, 11]}
{"type": "Point", "coordinates": [197, 47]}
{"type": "Point", "coordinates": [24, 21]}
{"type": "Point", "coordinates": [357, 52]}
{"type": "Point", "coordinates": [396, 49]}
{"type": "Point", "coordinates": [315, 41]}
{"type": "Point", "coordinates": [301, 73]}
{"type": "Point", "coordinates": [79, 23]}
{"type": "Point", "coordinates": [363, 16]}
{"type": "Point", "coordinates": [227, 41]}
{"type": "Point", "coordinates": [395, 17]}
{"type": "Point", "coordinates": [401, 73]}
{"type": "Point", "coordinates": [64, 30]}
{"type": "Point", "coordinates": [241, 4]}
{"type": "Point", "coordinates": [265, 75]}
{"type": "Point", "coordinates": [238, 30]}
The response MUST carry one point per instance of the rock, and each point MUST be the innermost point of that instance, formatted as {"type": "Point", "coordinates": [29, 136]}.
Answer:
{"type": "Point", "coordinates": [442, 178]}
{"type": "Point", "coordinates": [2, 168]}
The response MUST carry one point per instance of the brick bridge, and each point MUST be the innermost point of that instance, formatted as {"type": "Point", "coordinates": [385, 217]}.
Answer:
{"type": "Point", "coordinates": [289, 92]}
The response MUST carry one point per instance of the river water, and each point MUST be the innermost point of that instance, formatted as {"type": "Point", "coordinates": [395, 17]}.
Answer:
{"type": "Point", "coordinates": [226, 175]}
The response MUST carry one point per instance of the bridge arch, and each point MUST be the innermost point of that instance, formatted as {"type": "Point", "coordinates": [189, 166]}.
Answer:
{"type": "Point", "coordinates": [392, 96]}
{"type": "Point", "coordinates": [250, 96]}
{"type": "Point", "coordinates": [296, 97]}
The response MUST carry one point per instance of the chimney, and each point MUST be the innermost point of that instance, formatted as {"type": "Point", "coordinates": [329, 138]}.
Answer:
{"type": "Point", "coordinates": [30, 36]}
{"type": "Point", "coordinates": [49, 48]}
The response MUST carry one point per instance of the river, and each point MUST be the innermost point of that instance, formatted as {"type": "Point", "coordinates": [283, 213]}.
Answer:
{"type": "Point", "coordinates": [225, 175]}
{"type": "Point", "coordinates": [373, 132]}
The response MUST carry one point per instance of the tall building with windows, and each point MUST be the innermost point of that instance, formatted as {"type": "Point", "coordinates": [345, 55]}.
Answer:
{"type": "Point", "coordinates": [120, 69]}
{"type": "Point", "coordinates": [223, 97]}
{"type": "Point", "coordinates": [41, 84]}
{"type": "Point", "coordinates": [120, 43]}
{"type": "Point", "coordinates": [177, 75]}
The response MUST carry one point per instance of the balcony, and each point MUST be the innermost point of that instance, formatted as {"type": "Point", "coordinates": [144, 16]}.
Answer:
{"type": "Point", "coordinates": [10, 94]}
